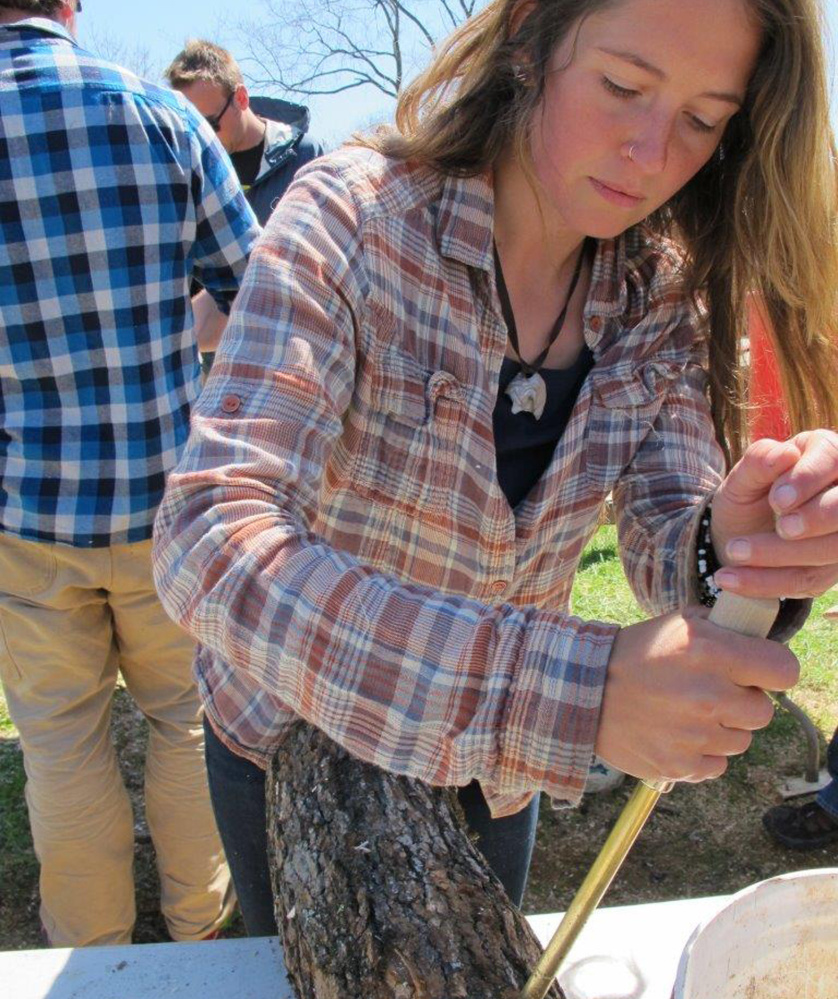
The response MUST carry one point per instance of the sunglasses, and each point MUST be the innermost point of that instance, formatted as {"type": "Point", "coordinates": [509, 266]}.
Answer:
{"type": "Point", "coordinates": [214, 120]}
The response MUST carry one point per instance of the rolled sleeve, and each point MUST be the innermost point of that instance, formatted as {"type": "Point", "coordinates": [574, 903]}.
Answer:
{"type": "Point", "coordinates": [662, 494]}
{"type": "Point", "coordinates": [662, 498]}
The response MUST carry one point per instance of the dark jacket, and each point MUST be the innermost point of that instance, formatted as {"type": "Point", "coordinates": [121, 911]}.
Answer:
{"type": "Point", "coordinates": [287, 148]}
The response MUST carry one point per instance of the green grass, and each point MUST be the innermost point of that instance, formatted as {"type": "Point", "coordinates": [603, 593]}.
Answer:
{"type": "Point", "coordinates": [15, 841]}
{"type": "Point", "coordinates": [7, 729]}
{"type": "Point", "coordinates": [601, 592]}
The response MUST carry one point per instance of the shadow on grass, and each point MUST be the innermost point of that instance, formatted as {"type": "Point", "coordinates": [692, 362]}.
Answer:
{"type": "Point", "coordinates": [595, 555]}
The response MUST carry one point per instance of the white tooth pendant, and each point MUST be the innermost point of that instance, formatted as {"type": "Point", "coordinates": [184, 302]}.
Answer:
{"type": "Point", "coordinates": [528, 394]}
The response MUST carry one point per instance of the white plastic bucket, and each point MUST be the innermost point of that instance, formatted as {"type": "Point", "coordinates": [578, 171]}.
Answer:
{"type": "Point", "coordinates": [777, 939]}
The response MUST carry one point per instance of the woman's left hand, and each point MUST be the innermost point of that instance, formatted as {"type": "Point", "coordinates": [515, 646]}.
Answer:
{"type": "Point", "coordinates": [775, 518]}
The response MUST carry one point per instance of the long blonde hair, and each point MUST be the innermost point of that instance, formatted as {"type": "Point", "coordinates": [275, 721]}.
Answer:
{"type": "Point", "coordinates": [759, 218]}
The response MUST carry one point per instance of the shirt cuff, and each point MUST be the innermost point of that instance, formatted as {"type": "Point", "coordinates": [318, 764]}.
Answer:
{"type": "Point", "coordinates": [552, 712]}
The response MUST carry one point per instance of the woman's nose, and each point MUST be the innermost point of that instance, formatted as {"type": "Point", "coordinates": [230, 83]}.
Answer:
{"type": "Point", "coordinates": [649, 147]}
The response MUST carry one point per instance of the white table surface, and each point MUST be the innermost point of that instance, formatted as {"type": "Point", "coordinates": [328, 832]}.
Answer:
{"type": "Point", "coordinates": [624, 952]}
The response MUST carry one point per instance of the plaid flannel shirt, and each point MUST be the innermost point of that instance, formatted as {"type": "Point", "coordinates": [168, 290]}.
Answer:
{"type": "Point", "coordinates": [113, 194]}
{"type": "Point", "coordinates": [335, 535]}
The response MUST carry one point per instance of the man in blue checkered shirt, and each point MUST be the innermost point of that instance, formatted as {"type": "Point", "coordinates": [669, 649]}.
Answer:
{"type": "Point", "coordinates": [114, 194]}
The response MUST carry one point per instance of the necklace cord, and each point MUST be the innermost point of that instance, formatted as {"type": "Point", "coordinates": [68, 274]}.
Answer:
{"type": "Point", "coordinates": [509, 316]}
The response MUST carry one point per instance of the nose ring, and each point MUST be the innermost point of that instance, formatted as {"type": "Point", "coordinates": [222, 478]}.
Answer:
{"type": "Point", "coordinates": [630, 152]}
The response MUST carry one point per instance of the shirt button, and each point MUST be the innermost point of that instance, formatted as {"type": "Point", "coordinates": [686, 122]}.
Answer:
{"type": "Point", "coordinates": [499, 586]}
{"type": "Point", "coordinates": [230, 403]}
{"type": "Point", "coordinates": [596, 324]}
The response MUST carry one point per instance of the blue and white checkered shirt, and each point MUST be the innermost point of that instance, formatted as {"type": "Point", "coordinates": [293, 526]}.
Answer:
{"type": "Point", "coordinates": [114, 194]}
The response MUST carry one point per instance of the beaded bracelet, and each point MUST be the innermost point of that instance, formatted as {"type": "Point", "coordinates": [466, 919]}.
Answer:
{"type": "Point", "coordinates": [708, 563]}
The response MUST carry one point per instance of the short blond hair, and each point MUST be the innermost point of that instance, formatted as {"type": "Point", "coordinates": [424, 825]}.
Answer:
{"type": "Point", "coordinates": [203, 60]}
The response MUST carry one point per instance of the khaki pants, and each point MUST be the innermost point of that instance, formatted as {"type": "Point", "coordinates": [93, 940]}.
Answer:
{"type": "Point", "coordinates": [70, 618]}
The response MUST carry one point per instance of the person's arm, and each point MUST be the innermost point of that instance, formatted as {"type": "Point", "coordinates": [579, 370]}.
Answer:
{"type": "Point", "coordinates": [676, 672]}
{"type": "Point", "coordinates": [660, 496]}
{"type": "Point", "coordinates": [678, 471]}
{"type": "Point", "coordinates": [226, 229]}
{"type": "Point", "coordinates": [435, 686]}
{"type": "Point", "coordinates": [210, 322]}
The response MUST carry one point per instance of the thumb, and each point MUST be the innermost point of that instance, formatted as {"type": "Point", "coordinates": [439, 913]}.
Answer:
{"type": "Point", "coordinates": [753, 475]}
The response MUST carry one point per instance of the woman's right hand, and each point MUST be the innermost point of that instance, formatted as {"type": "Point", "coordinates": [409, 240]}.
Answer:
{"type": "Point", "coordinates": [682, 695]}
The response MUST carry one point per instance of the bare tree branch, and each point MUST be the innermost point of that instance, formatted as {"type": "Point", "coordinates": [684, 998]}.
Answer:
{"type": "Point", "coordinates": [367, 56]}
{"type": "Point", "coordinates": [392, 18]}
{"type": "Point", "coordinates": [405, 10]}
{"type": "Point", "coordinates": [299, 45]}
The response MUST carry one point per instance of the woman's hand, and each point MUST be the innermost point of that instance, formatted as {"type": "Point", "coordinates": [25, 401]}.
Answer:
{"type": "Point", "coordinates": [775, 518]}
{"type": "Point", "coordinates": [682, 695]}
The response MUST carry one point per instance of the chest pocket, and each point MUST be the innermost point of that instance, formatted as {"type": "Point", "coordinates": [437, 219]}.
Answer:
{"type": "Point", "coordinates": [409, 423]}
{"type": "Point", "coordinates": [623, 411]}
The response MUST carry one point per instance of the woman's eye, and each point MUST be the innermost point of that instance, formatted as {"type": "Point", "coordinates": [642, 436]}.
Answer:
{"type": "Point", "coordinates": [700, 125]}
{"type": "Point", "coordinates": [617, 90]}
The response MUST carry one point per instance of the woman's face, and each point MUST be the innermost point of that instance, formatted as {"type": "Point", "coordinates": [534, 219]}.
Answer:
{"type": "Point", "coordinates": [643, 102]}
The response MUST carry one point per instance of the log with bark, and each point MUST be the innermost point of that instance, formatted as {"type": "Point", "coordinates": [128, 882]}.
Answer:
{"type": "Point", "coordinates": [379, 891]}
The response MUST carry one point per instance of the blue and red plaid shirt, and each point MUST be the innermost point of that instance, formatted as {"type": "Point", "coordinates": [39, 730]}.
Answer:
{"type": "Point", "coordinates": [335, 535]}
{"type": "Point", "coordinates": [114, 194]}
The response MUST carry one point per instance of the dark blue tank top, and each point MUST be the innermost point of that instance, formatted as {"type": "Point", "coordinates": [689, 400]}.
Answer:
{"type": "Point", "coordinates": [524, 445]}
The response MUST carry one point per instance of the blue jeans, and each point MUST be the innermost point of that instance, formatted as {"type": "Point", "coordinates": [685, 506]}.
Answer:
{"type": "Point", "coordinates": [237, 790]}
{"type": "Point", "coordinates": [828, 797]}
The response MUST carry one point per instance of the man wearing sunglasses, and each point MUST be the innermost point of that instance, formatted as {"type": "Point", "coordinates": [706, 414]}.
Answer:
{"type": "Point", "coordinates": [115, 195]}
{"type": "Point", "coordinates": [266, 138]}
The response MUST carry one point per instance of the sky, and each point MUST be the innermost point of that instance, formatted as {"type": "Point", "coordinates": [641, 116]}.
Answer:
{"type": "Point", "coordinates": [160, 27]}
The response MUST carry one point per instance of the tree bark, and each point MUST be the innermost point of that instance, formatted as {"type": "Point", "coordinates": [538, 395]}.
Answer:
{"type": "Point", "coordinates": [379, 892]}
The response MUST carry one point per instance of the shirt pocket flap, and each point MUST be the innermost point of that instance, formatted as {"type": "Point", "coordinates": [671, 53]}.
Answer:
{"type": "Point", "coordinates": [634, 388]}
{"type": "Point", "coordinates": [406, 392]}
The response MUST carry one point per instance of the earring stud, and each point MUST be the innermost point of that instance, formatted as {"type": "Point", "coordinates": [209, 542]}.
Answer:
{"type": "Point", "coordinates": [520, 74]}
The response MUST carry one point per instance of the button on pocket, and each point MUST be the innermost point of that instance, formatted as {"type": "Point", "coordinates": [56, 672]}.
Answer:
{"type": "Point", "coordinates": [231, 403]}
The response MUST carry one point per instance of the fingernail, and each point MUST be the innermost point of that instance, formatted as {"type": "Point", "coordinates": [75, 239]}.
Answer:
{"type": "Point", "coordinates": [726, 579]}
{"type": "Point", "coordinates": [785, 496]}
{"type": "Point", "coordinates": [740, 550]}
{"type": "Point", "coordinates": [790, 526]}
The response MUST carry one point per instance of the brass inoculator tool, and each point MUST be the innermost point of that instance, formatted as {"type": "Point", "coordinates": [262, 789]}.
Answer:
{"type": "Point", "coordinates": [747, 616]}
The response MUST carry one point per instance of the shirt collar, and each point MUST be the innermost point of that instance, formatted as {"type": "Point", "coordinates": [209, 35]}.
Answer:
{"type": "Point", "coordinates": [465, 233]}
{"type": "Point", "coordinates": [464, 224]}
{"type": "Point", "coordinates": [42, 24]}
{"type": "Point", "coordinates": [608, 295]}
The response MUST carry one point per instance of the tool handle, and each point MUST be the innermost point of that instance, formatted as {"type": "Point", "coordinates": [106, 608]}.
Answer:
{"type": "Point", "coordinates": [751, 616]}
{"type": "Point", "coordinates": [746, 615]}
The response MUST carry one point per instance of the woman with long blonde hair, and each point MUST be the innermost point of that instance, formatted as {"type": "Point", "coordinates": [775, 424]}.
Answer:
{"type": "Point", "coordinates": [459, 336]}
